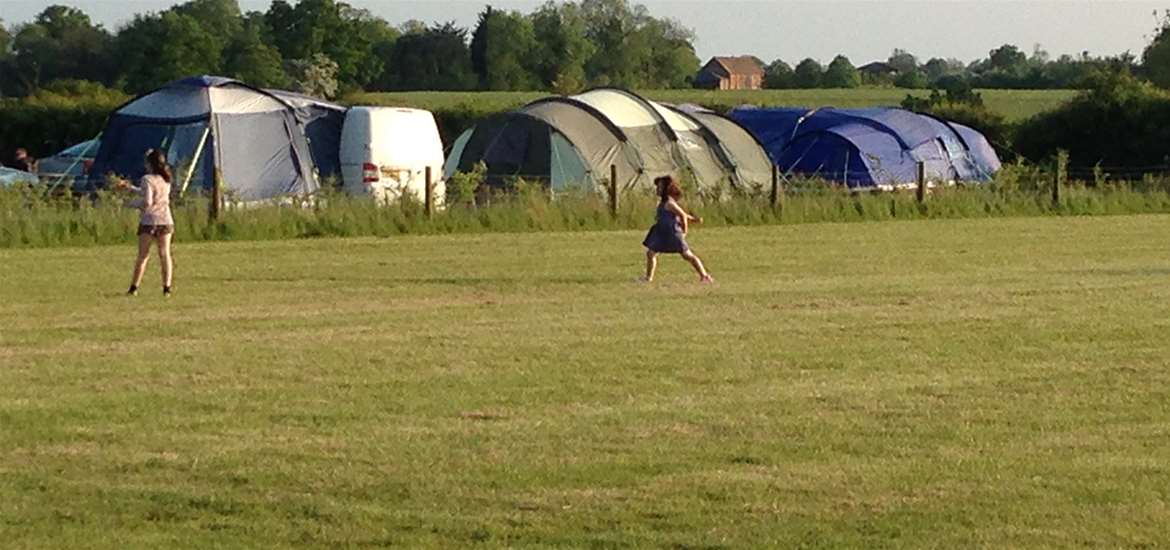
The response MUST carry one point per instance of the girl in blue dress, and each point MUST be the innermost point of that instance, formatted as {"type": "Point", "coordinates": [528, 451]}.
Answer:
{"type": "Point", "coordinates": [668, 235]}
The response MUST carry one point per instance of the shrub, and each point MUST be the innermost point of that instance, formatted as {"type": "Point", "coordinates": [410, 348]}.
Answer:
{"type": "Point", "coordinates": [1119, 121]}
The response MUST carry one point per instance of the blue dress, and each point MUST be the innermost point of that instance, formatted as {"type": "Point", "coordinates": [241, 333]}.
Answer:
{"type": "Point", "coordinates": [666, 235]}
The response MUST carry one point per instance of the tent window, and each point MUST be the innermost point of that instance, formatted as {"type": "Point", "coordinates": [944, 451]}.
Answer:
{"type": "Point", "coordinates": [567, 169]}
{"type": "Point", "coordinates": [179, 141]}
{"type": "Point", "coordinates": [951, 149]}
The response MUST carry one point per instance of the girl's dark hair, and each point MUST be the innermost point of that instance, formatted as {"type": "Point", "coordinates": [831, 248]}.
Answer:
{"type": "Point", "coordinates": [667, 187]}
{"type": "Point", "coordinates": [158, 164]}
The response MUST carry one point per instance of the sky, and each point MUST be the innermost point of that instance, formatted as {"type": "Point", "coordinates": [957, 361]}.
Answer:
{"type": "Point", "coordinates": [793, 30]}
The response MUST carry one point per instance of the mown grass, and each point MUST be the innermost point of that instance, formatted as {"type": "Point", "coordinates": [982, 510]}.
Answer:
{"type": "Point", "coordinates": [938, 383]}
{"type": "Point", "coordinates": [1015, 105]}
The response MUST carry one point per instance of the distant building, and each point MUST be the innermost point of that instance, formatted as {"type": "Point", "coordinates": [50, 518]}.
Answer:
{"type": "Point", "coordinates": [878, 72]}
{"type": "Point", "coordinates": [731, 73]}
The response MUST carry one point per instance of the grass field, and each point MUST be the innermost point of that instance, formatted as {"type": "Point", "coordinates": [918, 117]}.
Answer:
{"type": "Point", "coordinates": [1015, 105]}
{"type": "Point", "coordinates": [979, 383]}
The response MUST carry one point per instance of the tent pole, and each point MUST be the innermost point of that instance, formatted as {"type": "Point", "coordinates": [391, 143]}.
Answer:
{"type": "Point", "coordinates": [429, 194]}
{"type": "Point", "coordinates": [61, 178]}
{"type": "Point", "coordinates": [195, 161]}
{"type": "Point", "coordinates": [775, 186]}
{"type": "Point", "coordinates": [213, 209]}
{"type": "Point", "coordinates": [613, 190]}
{"type": "Point", "coordinates": [921, 193]}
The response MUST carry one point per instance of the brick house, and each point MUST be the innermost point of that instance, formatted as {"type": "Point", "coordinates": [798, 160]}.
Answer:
{"type": "Point", "coordinates": [731, 73]}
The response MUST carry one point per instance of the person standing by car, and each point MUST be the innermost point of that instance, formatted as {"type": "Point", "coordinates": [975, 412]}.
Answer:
{"type": "Point", "coordinates": [156, 223]}
{"type": "Point", "coordinates": [22, 161]}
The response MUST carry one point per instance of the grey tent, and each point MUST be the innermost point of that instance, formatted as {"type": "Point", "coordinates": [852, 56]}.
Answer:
{"type": "Point", "coordinates": [322, 122]}
{"type": "Point", "coordinates": [746, 154]}
{"type": "Point", "coordinates": [574, 140]}
{"type": "Point", "coordinates": [253, 138]}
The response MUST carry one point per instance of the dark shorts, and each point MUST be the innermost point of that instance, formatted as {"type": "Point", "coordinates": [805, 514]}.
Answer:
{"type": "Point", "coordinates": [156, 230]}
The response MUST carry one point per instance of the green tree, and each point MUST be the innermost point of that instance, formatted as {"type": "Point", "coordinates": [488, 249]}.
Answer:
{"type": "Point", "coordinates": [437, 59]}
{"type": "Point", "coordinates": [668, 59]}
{"type": "Point", "coordinates": [1117, 120]}
{"type": "Point", "coordinates": [913, 80]}
{"type": "Point", "coordinates": [808, 74]}
{"type": "Point", "coordinates": [779, 75]}
{"type": "Point", "coordinates": [937, 67]}
{"type": "Point", "coordinates": [902, 61]}
{"type": "Point", "coordinates": [316, 76]}
{"type": "Point", "coordinates": [220, 18]}
{"type": "Point", "coordinates": [159, 48]}
{"type": "Point", "coordinates": [561, 47]}
{"type": "Point", "coordinates": [6, 85]}
{"type": "Point", "coordinates": [413, 26]}
{"type": "Point", "coordinates": [503, 51]}
{"type": "Point", "coordinates": [60, 43]}
{"type": "Point", "coordinates": [1007, 59]}
{"type": "Point", "coordinates": [841, 74]}
{"type": "Point", "coordinates": [635, 50]}
{"type": "Point", "coordinates": [1156, 57]}
{"type": "Point", "coordinates": [609, 24]}
{"type": "Point", "coordinates": [249, 59]}
{"type": "Point", "coordinates": [5, 39]}
{"type": "Point", "coordinates": [345, 35]}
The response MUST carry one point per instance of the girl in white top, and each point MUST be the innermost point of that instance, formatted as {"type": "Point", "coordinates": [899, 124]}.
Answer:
{"type": "Point", "coordinates": [156, 223]}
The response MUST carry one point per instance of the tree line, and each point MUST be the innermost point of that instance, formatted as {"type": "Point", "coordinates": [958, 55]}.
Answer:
{"type": "Point", "coordinates": [327, 47]}
{"type": "Point", "coordinates": [1004, 67]}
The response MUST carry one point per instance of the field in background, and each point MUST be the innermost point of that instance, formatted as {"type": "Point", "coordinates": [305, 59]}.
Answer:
{"type": "Point", "coordinates": [937, 383]}
{"type": "Point", "coordinates": [1016, 105]}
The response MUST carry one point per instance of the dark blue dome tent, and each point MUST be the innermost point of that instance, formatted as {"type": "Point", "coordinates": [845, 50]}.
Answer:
{"type": "Point", "coordinates": [869, 148]}
{"type": "Point", "coordinates": [255, 139]}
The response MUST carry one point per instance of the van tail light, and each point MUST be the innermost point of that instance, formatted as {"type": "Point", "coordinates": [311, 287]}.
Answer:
{"type": "Point", "coordinates": [370, 173]}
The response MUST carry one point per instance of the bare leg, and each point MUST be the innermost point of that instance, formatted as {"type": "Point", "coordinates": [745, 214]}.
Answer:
{"type": "Point", "coordinates": [697, 264]}
{"type": "Point", "coordinates": [140, 263]}
{"type": "Point", "coordinates": [651, 265]}
{"type": "Point", "coordinates": [164, 257]}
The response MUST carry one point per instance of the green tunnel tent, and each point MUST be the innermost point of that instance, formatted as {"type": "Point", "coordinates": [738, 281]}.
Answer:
{"type": "Point", "coordinates": [745, 153]}
{"type": "Point", "coordinates": [567, 141]}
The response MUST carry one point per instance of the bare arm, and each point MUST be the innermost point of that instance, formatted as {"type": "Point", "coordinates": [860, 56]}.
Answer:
{"type": "Point", "coordinates": [683, 216]}
{"type": "Point", "coordinates": [145, 196]}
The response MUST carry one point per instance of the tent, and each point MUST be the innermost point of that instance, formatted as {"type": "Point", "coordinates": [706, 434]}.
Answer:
{"type": "Point", "coordinates": [877, 147]}
{"type": "Point", "coordinates": [322, 122]}
{"type": "Point", "coordinates": [567, 141]}
{"type": "Point", "coordinates": [254, 139]}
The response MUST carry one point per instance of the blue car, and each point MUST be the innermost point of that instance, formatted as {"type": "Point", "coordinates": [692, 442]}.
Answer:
{"type": "Point", "coordinates": [71, 163]}
{"type": "Point", "coordinates": [11, 176]}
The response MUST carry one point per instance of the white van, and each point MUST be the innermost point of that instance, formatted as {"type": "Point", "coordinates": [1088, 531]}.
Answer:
{"type": "Point", "coordinates": [385, 151]}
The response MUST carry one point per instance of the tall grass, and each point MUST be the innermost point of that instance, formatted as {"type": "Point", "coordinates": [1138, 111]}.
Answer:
{"type": "Point", "coordinates": [30, 219]}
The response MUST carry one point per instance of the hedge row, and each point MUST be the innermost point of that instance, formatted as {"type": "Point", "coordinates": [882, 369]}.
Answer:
{"type": "Point", "coordinates": [44, 129]}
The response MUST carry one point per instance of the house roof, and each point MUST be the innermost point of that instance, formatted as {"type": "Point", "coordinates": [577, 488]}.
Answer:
{"type": "Point", "coordinates": [743, 64]}
{"type": "Point", "coordinates": [877, 67]}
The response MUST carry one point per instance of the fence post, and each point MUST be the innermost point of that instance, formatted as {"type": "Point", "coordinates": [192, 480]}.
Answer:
{"type": "Point", "coordinates": [213, 209]}
{"type": "Point", "coordinates": [775, 186]}
{"type": "Point", "coordinates": [428, 194]}
{"type": "Point", "coordinates": [1058, 175]}
{"type": "Point", "coordinates": [613, 190]}
{"type": "Point", "coordinates": [920, 194]}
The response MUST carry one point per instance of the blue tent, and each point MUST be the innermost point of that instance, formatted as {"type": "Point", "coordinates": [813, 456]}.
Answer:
{"type": "Point", "coordinates": [875, 147]}
{"type": "Point", "coordinates": [256, 140]}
